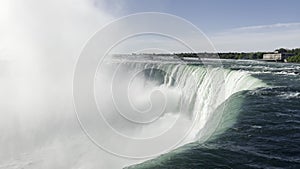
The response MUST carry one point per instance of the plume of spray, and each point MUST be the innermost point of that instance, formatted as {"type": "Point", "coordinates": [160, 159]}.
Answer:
{"type": "Point", "coordinates": [40, 42]}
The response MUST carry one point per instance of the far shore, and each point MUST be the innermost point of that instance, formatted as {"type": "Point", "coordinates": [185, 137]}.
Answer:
{"type": "Point", "coordinates": [279, 55]}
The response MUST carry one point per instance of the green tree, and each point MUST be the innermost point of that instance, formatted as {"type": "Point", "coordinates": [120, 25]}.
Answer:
{"type": "Point", "coordinates": [281, 50]}
{"type": "Point", "coordinates": [295, 58]}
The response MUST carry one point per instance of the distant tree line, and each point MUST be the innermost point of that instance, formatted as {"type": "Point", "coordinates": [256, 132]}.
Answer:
{"type": "Point", "coordinates": [229, 55]}
{"type": "Point", "coordinates": [242, 55]}
{"type": "Point", "coordinates": [295, 55]}
{"type": "Point", "coordinates": [187, 54]}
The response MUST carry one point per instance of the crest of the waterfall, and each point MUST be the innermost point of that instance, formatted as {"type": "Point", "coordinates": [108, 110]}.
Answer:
{"type": "Point", "coordinates": [193, 94]}
{"type": "Point", "coordinates": [147, 108]}
{"type": "Point", "coordinates": [143, 100]}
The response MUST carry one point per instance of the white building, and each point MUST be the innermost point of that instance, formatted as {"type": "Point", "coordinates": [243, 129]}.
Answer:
{"type": "Point", "coordinates": [275, 56]}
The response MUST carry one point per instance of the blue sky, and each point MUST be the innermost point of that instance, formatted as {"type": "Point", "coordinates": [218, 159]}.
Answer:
{"type": "Point", "coordinates": [216, 15]}
{"type": "Point", "coordinates": [219, 19]}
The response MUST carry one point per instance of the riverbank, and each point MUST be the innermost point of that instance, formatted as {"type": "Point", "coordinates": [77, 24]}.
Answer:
{"type": "Point", "coordinates": [294, 55]}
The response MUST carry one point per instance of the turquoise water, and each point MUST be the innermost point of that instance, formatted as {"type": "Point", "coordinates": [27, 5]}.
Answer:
{"type": "Point", "coordinates": [265, 132]}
